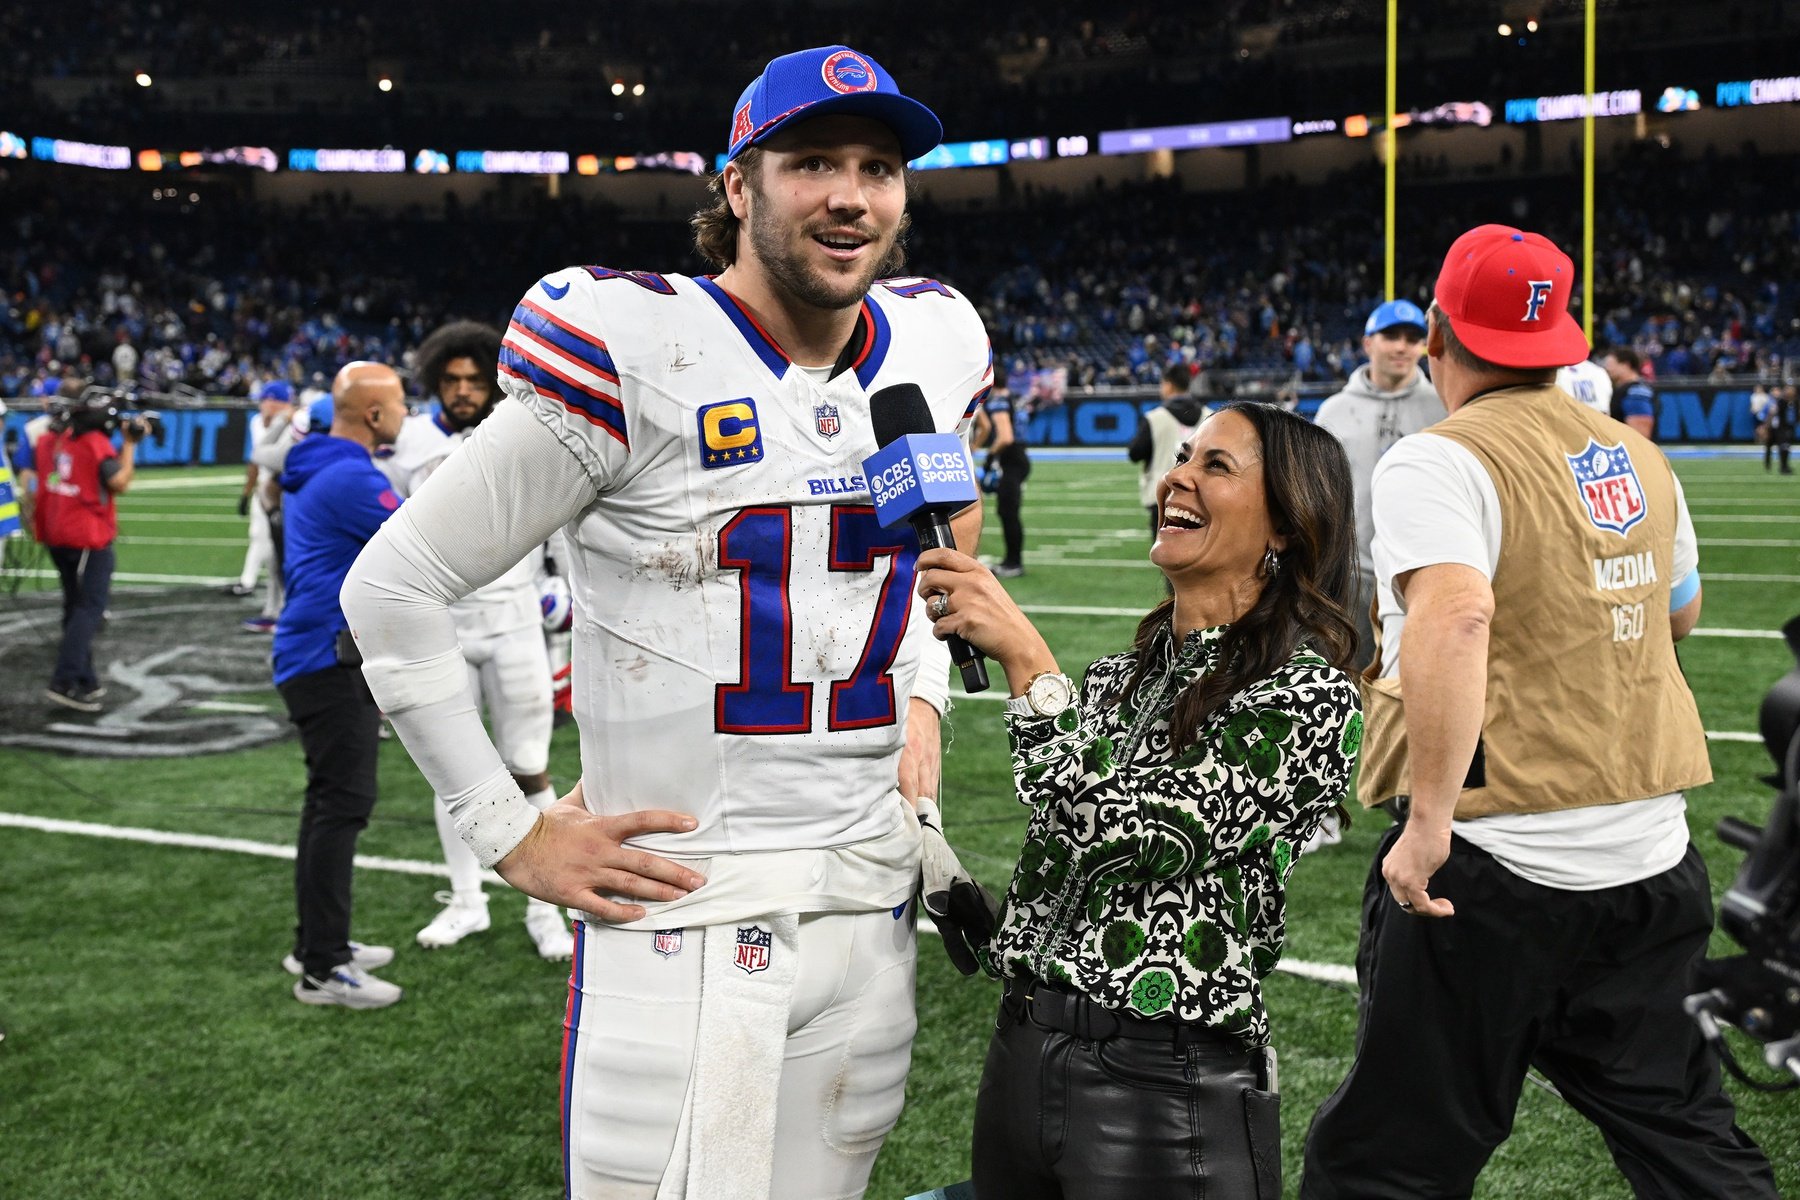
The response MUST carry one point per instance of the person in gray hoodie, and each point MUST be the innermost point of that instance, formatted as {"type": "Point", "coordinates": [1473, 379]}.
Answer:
{"type": "Point", "coordinates": [1387, 398]}
{"type": "Point", "coordinates": [1161, 431]}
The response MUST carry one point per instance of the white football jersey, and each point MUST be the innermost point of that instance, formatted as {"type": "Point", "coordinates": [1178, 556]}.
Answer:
{"type": "Point", "coordinates": [745, 639]}
{"type": "Point", "coordinates": [508, 603]}
{"type": "Point", "coordinates": [1589, 383]}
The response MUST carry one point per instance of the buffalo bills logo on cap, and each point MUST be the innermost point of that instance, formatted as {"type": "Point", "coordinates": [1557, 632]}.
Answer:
{"type": "Point", "coordinates": [1609, 486]}
{"type": "Point", "coordinates": [753, 944]}
{"type": "Point", "coordinates": [847, 71]}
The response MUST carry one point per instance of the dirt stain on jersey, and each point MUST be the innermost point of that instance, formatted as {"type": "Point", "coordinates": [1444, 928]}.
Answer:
{"type": "Point", "coordinates": [678, 564]}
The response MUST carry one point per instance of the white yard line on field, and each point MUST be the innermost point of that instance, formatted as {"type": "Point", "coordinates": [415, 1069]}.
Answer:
{"type": "Point", "coordinates": [138, 577]}
{"type": "Point", "coordinates": [183, 483]}
{"type": "Point", "coordinates": [202, 841]}
{"type": "Point", "coordinates": [1325, 972]}
{"type": "Point", "coordinates": [128, 539]}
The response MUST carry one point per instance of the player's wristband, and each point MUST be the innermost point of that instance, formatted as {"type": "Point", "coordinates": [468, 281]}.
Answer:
{"type": "Point", "coordinates": [492, 818]}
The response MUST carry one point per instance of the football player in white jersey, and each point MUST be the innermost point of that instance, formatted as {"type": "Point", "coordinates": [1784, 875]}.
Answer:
{"type": "Point", "coordinates": [1589, 383]}
{"type": "Point", "coordinates": [752, 676]}
{"type": "Point", "coordinates": [498, 626]}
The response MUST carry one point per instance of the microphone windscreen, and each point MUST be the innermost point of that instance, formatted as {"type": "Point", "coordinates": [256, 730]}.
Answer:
{"type": "Point", "coordinates": [899, 410]}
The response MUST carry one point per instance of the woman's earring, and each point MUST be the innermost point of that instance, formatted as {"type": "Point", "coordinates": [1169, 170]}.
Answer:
{"type": "Point", "coordinates": [1271, 563]}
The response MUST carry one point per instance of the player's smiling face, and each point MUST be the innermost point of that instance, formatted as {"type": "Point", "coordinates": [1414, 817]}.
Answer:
{"type": "Point", "coordinates": [827, 208]}
{"type": "Point", "coordinates": [1212, 507]}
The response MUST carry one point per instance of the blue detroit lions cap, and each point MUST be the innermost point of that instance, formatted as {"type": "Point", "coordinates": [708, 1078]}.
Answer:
{"type": "Point", "coordinates": [276, 389]}
{"type": "Point", "coordinates": [1395, 312]}
{"type": "Point", "coordinates": [319, 415]}
{"type": "Point", "coordinates": [829, 79]}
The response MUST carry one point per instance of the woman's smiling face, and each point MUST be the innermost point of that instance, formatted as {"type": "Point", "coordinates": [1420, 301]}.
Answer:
{"type": "Point", "coordinates": [1213, 520]}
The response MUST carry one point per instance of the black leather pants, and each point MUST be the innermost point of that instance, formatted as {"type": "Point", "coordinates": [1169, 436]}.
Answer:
{"type": "Point", "coordinates": [1076, 1104]}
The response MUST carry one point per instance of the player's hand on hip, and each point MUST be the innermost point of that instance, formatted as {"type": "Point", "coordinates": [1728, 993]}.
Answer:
{"type": "Point", "coordinates": [578, 859]}
{"type": "Point", "coordinates": [962, 597]}
{"type": "Point", "coordinates": [922, 758]}
{"type": "Point", "coordinates": [1410, 863]}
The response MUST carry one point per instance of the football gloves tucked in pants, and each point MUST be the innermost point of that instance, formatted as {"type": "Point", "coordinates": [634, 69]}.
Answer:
{"type": "Point", "coordinates": [963, 911]}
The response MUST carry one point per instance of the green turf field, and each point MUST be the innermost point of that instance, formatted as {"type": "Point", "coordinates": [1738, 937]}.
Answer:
{"type": "Point", "coordinates": [153, 1048]}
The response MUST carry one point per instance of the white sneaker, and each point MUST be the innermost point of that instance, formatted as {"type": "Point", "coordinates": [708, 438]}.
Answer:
{"type": "Point", "coordinates": [462, 916]}
{"type": "Point", "coordinates": [369, 958]}
{"type": "Point", "coordinates": [349, 986]}
{"type": "Point", "coordinates": [548, 929]}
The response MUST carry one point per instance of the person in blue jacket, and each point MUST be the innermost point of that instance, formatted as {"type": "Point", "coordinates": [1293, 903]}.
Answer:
{"type": "Point", "coordinates": [335, 499]}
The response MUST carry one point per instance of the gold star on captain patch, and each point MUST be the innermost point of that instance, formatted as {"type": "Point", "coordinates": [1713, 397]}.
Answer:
{"type": "Point", "coordinates": [755, 451]}
{"type": "Point", "coordinates": [742, 453]}
{"type": "Point", "coordinates": [712, 458]}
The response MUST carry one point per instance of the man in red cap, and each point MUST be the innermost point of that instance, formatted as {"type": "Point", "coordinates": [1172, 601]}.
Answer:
{"type": "Point", "coordinates": [1538, 904]}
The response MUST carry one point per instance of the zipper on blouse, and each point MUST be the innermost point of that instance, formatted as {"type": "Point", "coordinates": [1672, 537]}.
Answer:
{"type": "Point", "coordinates": [1069, 897]}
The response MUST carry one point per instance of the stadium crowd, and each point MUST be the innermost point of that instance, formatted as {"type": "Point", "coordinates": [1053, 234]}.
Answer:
{"type": "Point", "coordinates": [1108, 286]}
{"type": "Point", "coordinates": [304, 75]}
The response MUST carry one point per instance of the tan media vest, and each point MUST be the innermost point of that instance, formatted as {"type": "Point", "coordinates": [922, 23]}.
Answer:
{"type": "Point", "coordinates": [1586, 703]}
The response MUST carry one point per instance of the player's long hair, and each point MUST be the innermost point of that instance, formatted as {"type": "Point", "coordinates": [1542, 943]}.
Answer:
{"type": "Point", "coordinates": [716, 226]}
{"type": "Point", "coordinates": [459, 339]}
{"type": "Point", "coordinates": [1306, 480]}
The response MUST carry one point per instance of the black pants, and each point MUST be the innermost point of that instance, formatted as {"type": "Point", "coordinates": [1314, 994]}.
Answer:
{"type": "Point", "coordinates": [1065, 1117]}
{"type": "Point", "coordinates": [86, 584]}
{"type": "Point", "coordinates": [340, 731]}
{"type": "Point", "coordinates": [1780, 441]}
{"type": "Point", "coordinates": [1584, 986]}
{"type": "Point", "coordinates": [1009, 495]}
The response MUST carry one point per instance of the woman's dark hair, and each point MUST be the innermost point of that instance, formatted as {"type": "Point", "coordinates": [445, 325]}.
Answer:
{"type": "Point", "coordinates": [458, 339]}
{"type": "Point", "coordinates": [1306, 479]}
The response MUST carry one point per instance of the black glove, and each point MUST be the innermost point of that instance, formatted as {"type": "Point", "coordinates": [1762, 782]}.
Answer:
{"type": "Point", "coordinates": [963, 911]}
{"type": "Point", "coordinates": [244, 505]}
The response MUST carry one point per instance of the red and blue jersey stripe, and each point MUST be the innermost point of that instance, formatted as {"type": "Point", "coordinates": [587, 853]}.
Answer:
{"type": "Point", "coordinates": [538, 340]}
{"type": "Point", "coordinates": [571, 1033]}
{"type": "Point", "coordinates": [754, 335]}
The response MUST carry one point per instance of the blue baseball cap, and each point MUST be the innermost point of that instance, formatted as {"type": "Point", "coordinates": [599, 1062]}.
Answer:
{"type": "Point", "coordinates": [829, 79]}
{"type": "Point", "coordinates": [276, 389]}
{"type": "Point", "coordinates": [1395, 312]}
{"type": "Point", "coordinates": [318, 417]}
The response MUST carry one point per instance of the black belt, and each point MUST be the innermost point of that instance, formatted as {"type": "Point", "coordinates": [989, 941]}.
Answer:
{"type": "Point", "coordinates": [1072, 1013]}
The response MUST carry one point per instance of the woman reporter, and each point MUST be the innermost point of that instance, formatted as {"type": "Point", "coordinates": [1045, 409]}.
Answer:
{"type": "Point", "coordinates": [1168, 803]}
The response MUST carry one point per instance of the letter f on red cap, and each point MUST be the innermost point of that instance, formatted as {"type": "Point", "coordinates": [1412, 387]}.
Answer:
{"type": "Point", "coordinates": [1540, 292]}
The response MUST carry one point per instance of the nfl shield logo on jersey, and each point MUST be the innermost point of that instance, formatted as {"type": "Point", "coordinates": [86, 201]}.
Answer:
{"type": "Point", "coordinates": [753, 944]}
{"type": "Point", "coordinates": [825, 417]}
{"type": "Point", "coordinates": [1609, 486]}
{"type": "Point", "coordinates": [667, 942]}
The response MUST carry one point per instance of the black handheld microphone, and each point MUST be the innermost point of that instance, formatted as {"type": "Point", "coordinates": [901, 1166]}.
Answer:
{"type": "Point", "coordinates": [922, 477]}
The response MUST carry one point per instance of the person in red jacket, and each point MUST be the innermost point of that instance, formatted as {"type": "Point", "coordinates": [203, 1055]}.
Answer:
{"type": "Point", "coordinates": [75, 518]}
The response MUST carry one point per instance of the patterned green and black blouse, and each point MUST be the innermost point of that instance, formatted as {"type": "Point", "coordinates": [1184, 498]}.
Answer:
{"type": "Point", "coordinates": [1151, 881]}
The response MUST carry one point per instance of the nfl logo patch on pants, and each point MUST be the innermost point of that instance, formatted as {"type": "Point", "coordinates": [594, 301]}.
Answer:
{"type": "Point", "coordinates": [753, 942]}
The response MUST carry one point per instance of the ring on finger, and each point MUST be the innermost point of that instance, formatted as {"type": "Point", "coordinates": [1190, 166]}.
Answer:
{"type": "Point", "coordinates": [938, 607]}
{"type": "Point", "coordinates": [1405, 905]}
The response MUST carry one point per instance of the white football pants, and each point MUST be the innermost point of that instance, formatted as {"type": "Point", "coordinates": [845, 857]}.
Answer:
{"type": "Point", "coordinates": [629, 1050]}
{"type": "Point", "coordinates": [261, 552]}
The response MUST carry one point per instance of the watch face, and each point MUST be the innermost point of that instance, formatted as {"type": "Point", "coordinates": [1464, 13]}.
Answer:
{"type": "Point", "coordinates": [1050, 694]}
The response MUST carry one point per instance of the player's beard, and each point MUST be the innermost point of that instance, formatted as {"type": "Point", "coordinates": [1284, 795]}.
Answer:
{"type": "Point", "coordinates": [458, 423]}
{"type": "Point", "coordinates": [787, 266]}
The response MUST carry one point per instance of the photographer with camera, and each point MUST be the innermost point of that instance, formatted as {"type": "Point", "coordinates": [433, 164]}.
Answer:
{"type": "Point", "coordinates": [79, 474]}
